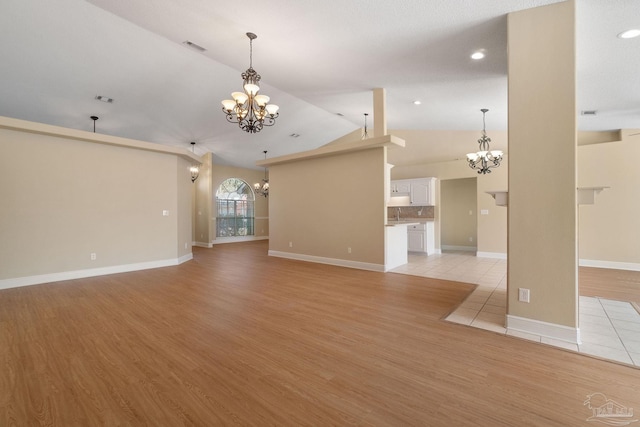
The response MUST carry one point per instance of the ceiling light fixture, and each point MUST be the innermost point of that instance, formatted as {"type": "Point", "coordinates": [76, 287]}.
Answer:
{"type": "Point", "coordinates": [94, 118]}
{"type": "Point", "coordinates": [250, 110]}
{"type": "Point", "coordinates": [194, 169]}
{"type": "Point", "coordinates": [365, 135]}
{"type": "Point", "coordinates": [629, 34]}
{"type": "Point", "coordinates": [485, 158]}
{"type": "Point", "coordinates": [263, 189]}
{"type": "Point", "coordinates": [417, 102]}
{"type": "Point", "coordinates": [477, 55]}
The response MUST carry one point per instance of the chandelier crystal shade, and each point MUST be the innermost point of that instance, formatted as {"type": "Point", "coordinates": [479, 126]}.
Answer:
{"type": "Point", "coordinates": [485, 158]}
{"type": "Point", "coordinates": [248, 109]}
{"type": "Point", "coordinates": [262, 189]}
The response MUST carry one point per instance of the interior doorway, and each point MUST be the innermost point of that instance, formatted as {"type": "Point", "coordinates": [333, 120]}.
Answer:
{"type": "Point", "coordinates": [458, 215]}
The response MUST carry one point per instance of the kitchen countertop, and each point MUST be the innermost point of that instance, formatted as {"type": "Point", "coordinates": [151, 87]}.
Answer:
{"type": "Point", "coordinates": [401, 222]}
{"type": "Point", "coordinates": [408, 221]}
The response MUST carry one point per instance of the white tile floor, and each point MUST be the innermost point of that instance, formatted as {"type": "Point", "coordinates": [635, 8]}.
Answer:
{"type": "Point", "coordinates": [608, 329]}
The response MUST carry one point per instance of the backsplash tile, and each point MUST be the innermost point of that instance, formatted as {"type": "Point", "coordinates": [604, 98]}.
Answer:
{"type": "Point", "coordinates": [413, 212]}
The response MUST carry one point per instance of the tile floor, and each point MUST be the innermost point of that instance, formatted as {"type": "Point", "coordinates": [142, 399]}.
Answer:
{"type": "Point", "coordinates": [608, 329]}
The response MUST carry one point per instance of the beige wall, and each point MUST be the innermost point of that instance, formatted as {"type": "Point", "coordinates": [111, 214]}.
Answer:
{"type": "Point", "coordinates": [211, 176]}
{"type": "Point", "coordinates": [542, 209]}
{"type": "Point", "coordinates": [325, 205]}
{"type": "Point", "coordinates": [458, 220]}
{"type": "Point", "coordinates": [610, 228]}
{"type": "Point", "coordinates": [65, 198]}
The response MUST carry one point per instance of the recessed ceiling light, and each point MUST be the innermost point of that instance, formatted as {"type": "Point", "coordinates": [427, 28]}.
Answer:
{"type": "Point", "coordinates": [104, 99]}
{"type": "Point", "coordinates": [588, 112]}
{"type": "Point", "coordinates": [629, 34]}
{"type": "Point", "coordinates": [340, 114]}
{"type": "Point", "coordinates": [294, 135]}
{"type": "Point", "coordinates": [477, 55]}
{"type": "Point", "coordinates": [417, 102]}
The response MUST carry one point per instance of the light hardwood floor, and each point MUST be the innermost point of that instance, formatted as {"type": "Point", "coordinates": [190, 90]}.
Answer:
{"type": "Point", "coordinates": [235, 337]}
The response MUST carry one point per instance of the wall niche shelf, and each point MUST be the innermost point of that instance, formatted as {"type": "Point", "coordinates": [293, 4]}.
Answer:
{"type": "Point", "coordinates": [501, 197]}
{"type": "Point", "coordinates": [587, 195]}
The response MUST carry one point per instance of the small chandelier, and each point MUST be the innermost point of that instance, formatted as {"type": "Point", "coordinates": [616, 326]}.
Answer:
{"type": "Point", "coordinates": [262, 189]}
{"type": "Point", "coordinates": [195, 170]}
{"type": "Point", "coordinates": [485, 158]}
{"type": "Point", "coordinates": [248, 109]}
{"type": "Point", "coordinates": [365, 135]}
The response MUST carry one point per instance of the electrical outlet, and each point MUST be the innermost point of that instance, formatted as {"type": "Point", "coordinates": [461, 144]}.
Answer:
{"type": "Point", "coordinates": [165, 213]}
{"type": "Point", "coordinates": [290, 244]}
{"type": "Point", "coordinates": [348, 250]}
{"type": "Point", "coordinates": [185, 245]}
{"type": "Point", "coordinates": [471, 239]}
{"type": "Point", "coordinates": [523, 295]}
{"type": "Point", "coordinates": [93, 256]}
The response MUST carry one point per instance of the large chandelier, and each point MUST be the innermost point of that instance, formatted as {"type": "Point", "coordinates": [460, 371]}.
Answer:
{"type": "Point", "coordinates": [485, 158]}
{"type": "Point", "coordinates": [248, 109]}
{"type": "Point", "coordinates": [262, 189]}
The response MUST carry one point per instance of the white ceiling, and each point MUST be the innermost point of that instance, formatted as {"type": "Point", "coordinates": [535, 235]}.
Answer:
{"type": "Point", "coordinates": [316, 59]}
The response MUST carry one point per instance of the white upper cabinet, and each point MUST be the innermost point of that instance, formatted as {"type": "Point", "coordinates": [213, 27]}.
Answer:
{"type": "Point", "coordinates": [400, 187]}
{"type": "Point", "coordinates": [420, 191]}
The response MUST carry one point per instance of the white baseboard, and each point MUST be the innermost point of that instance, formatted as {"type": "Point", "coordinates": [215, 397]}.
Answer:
{"type": "Point", "coordinates": [203, 244]}
{"type": "Point", "coordinates": [458, 248]}
{"type": "Point", "coordinates": [236, 239]}
{"type": "Point", "coordinates": [633, 266]}
{"type": "Point", "coordinates": [331, 261]}
{"type": "Point", "coordinates": [91, 272]}
{"type": "Point", "coordinates": [544, 329]}
{"type": "Point", "coordinates": [495, 255]}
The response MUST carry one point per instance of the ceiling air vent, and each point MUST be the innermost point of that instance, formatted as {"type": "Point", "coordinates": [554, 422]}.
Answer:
{"type": "Point", "coordinates": [588, 112]}
{"type": "Point", "coordinates": [193, 46]}
{"type": "Point", "coordinates": [104, 99]}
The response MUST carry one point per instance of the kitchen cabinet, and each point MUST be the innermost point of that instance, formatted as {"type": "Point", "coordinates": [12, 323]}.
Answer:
{"type": "Point", "coordinates": [420, 192]}
{"type": "Point", "coordinates": [420, 238]}
{"type": "Point", "coordinates": [400, 187]}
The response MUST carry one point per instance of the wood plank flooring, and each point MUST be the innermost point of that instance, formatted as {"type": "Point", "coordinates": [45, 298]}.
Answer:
{"type": "Point", "coordinates": [621, 285]}
{"type": "Point", "coordinates": [235, 337]}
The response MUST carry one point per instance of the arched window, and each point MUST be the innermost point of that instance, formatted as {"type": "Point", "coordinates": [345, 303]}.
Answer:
{"type": "Point", "coordinates": [234, 207]}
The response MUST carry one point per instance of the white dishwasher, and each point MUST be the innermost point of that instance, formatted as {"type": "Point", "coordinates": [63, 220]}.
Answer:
{"type": "Point", "coordinates": [420, 238]}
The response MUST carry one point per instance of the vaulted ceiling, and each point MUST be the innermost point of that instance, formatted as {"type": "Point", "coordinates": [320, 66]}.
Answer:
{"type": "Point", "coordinates": [319, 61]}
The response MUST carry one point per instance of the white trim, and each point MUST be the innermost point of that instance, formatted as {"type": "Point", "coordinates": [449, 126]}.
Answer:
{"type": "Point", "coordinates": [633, 266]}
{"type": "Point", "coordinates": [458, 248]}
{"type": "Point", "coordinates": [236, 239]}
{"type": "Point", "coordinates": [544, 329]}
{"type": "Point", "coordinates": [91, 272]}
{"type": "Point", "coordinates": [438, 252]}
{"type": "Point", "coordinates": [331, 261]}
{"type": "Point", "coordinates": [203, 245]}
{"type": "Point", "coordinates": [184, 258]}
{"type": "Point", "coordinates": [496, 255]}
